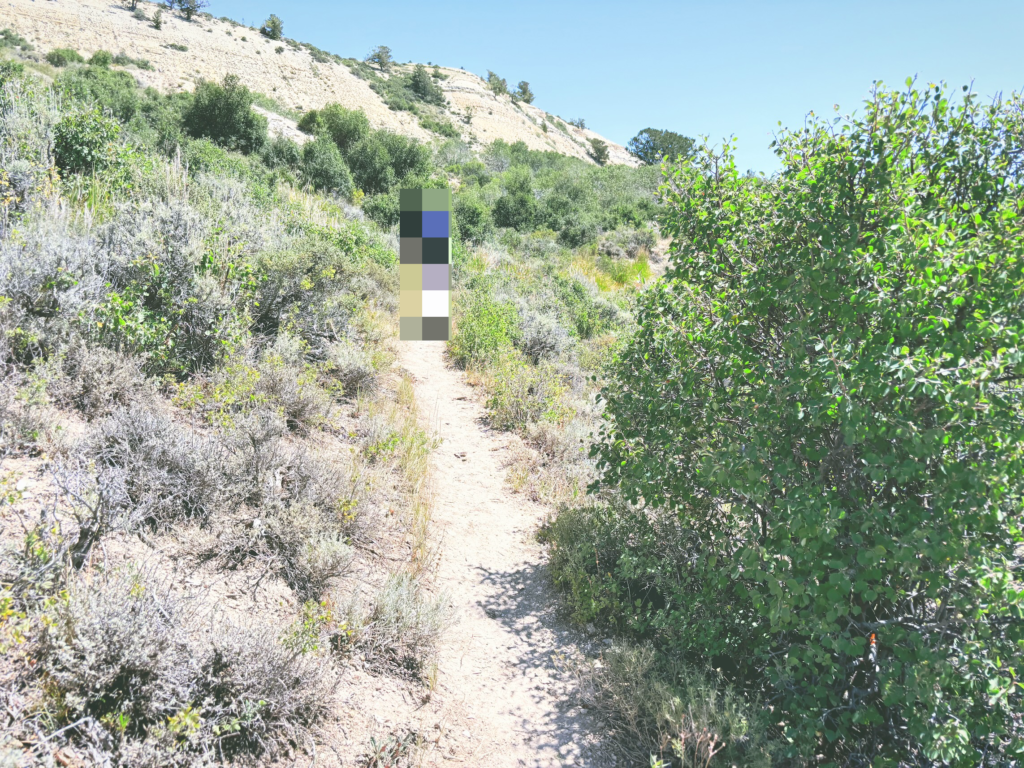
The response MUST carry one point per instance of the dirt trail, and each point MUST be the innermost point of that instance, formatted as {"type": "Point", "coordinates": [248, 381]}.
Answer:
{"type": "Point", "coordinates": [497, 677]}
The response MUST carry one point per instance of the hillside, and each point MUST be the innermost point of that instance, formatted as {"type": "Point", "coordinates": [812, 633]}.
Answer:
{"type": "Point", "coordinates": [292, 77]}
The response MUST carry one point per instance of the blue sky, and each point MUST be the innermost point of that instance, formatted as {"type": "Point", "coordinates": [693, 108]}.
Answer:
{"type": "Point", "coordinates": [717, 69]}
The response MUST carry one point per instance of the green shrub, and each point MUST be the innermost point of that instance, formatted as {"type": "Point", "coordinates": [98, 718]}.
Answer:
{"type": "Point", "coordinates": [158, 19]}
{"type": "Point", "coordinates": [224, 114]}
{"type": "Point", "coordinates": [473, 218]}
{"type": "Point", "coordinates": [124, 60]}
{"type": "Point", "coordinates": [383, 209]}
{"type": "Point", "coordinates": [11, 39]}
{"type": "Point", "coordinates": [324, 167]}
{"type": "Point", "coordinates": [84, 142]}
{"type": "Point", "coordinates": [497, 85]}
{"type": "Point", "coordinates": [440, 127]}
{"type": "Point", "coordinates": [61, 57]}
{"type": "Point", "coordinates": [522, 394]}
{"type": "Point", "coordinates": [424, 87]}
{"type": "Point", "coordinates": [272, 28]}
{"type": "Point", "coordinates": [101, 59]}
{"type": "Point", "coordinates": [281, 152]}
{"type": "Point", "coordinates": [279, 49]}
{"type": "Point", "coordinates": [105, 88]}
{"type": "Point", "coordinates": [485, 330]}
{"type": "Point", "coordinates": [9, 70]}
{"type": "Point", "coordinates": [598, 151]}
{"type": "Point", "coordinates": [382, 159]}
{"type": "Point", "coordinates": [177, 47]}
{"type": "Point", "coordinates": [516, 210]}
{"type": "Point", "coordinates": [826, 398]}
{"type": "Point", "coordinates": [344, 126]}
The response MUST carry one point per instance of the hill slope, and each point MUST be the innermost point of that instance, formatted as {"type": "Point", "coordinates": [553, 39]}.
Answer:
{"type": "Point", "coordinates": [292, 77]}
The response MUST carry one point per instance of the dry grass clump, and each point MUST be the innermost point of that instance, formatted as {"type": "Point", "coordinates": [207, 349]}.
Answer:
{"type": "Point", "coordinates": [212, 350]}
{"type": "Point", "coordinates": [399, 627]}
{"type": "Point", "coordinates": [94, 381]}
{"type": "Point", "coordinates": [127, 680]}
{"type": "Point", "coordinates": [169, 473]}
{"type": "Point", "coordinates": [688, 717]}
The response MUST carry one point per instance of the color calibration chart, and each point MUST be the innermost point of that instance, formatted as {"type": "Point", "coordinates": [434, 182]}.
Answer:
{"type": "Point", "coordinates": [425, 264]}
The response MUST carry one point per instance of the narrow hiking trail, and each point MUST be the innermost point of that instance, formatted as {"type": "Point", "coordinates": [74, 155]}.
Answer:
{"type": "Point", "coordinates": [498, 682]}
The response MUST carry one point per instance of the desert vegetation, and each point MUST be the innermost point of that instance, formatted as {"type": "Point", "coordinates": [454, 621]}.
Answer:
{"type": "Point", "coordinates": [197, 354]}
{"type": "Point", "coordinates": [785, 476]}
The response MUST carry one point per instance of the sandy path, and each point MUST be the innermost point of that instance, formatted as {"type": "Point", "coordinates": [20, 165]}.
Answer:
{"type": "Point", "coordinates": [497, 677]}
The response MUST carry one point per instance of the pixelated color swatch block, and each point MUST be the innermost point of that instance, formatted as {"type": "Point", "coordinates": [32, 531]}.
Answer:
{"type": "Point", "coordinates": [424, 270]}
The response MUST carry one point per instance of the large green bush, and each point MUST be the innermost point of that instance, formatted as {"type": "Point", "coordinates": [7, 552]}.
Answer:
{"type": "Point", "coordinates": [473, 218]}
{"type": "Point", "coordinates": [382, 159]}
{"type": "Point", "coordinates": [827, 398]}
{"type": "Point", "coordinates": [224, 114]}
{"type": "Point", "coordinates": [324, 167]}
{"type": "Point", "coordinates": [61, 57]}
{"type": "Point", "coordinates": [344, 126]}
{"type": "Point", "coordinates": [108, 89]}
{"type": "Point", "coordinates": [85, 142]}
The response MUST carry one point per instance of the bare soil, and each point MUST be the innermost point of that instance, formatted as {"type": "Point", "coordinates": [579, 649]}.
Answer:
{"type": "Point", "coordinates": [500, 684]}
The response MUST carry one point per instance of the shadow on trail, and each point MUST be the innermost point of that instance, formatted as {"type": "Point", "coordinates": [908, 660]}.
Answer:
{"type": "Point", "coordinates": [526, 604]}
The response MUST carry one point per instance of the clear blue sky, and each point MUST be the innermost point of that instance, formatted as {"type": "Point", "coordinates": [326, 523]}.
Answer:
{"type": "Point", "coordinates": [715, 68]}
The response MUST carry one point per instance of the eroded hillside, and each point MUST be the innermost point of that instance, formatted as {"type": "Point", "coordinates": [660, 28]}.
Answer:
{"type": "Point", "coordinates": [296, 77]}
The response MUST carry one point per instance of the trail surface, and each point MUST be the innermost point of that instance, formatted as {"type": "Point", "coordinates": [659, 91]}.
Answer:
{"type": "Point", "coordinates": [498, 682]}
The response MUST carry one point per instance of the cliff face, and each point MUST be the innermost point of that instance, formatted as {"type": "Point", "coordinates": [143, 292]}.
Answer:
{"type": "Point", "coordinates": [292, 77]}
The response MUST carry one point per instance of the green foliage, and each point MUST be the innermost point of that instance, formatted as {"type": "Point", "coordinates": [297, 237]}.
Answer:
{"type": "Point", "coordinates": [440, 127]}
{"type": "Point", "coordinates": [101, 59]}
{"type": "Point", "coordinates": [11, 39]}
{"type": "Point", "coordinates": [224, 114]}
{"type": "Point", "coordinates": [383, 209]}
{"type": "Point", "coordinates": [324, 167]}
{"type": "Point", "coordinates": [104, 88]}
{"type": "Point", "coordinates": [473, 218]}
{"type": "Point", "coordinates": [516, 210]}
{"type": "Point", "coordinates": [517, 207]}
{"type": "Point", "coordinates": [497, 85]}
{"type": "Point", "coordinates": [523, 93]}
{"type": "Point", "coordinates": [382, 159]}
{"type": "Point", "coordinates": [599, 151]}
{"type": "Point", "coordinates": [424, 87]}
{"type": "Point", "coordinates": [124, 60]}
{"type": "Point", "coordinates": [381, 56]}
{"type": "Point", "coordinates": [85, 142]}
{"type": "Point", "coordinates": [61, 57]}
{"type": "Point", "coordinates": [189, 8]}
{"type": "Point", "coordinates": [281, 152]}
{"type": "Point", "coordinates": [178, 47]}
{"type": "Point", "coordinates": [9, 70]}
{"type": "Point", "coordinates": [523, 394]}
{"type": "Point", "coordinates": [272, 28]}
{"type": "Point", "coordinates": [158, 19]}
{"type": "Point", "coordinates": [579, 122]}
{"type": "Point", "coordinates": [826, 400]}
{"type": "Point", "coordinates": [651, 146]}
{"type": "Point", "coordinates": [344, 126]}
{"type": "Point", "coordinates": [487, 330]}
